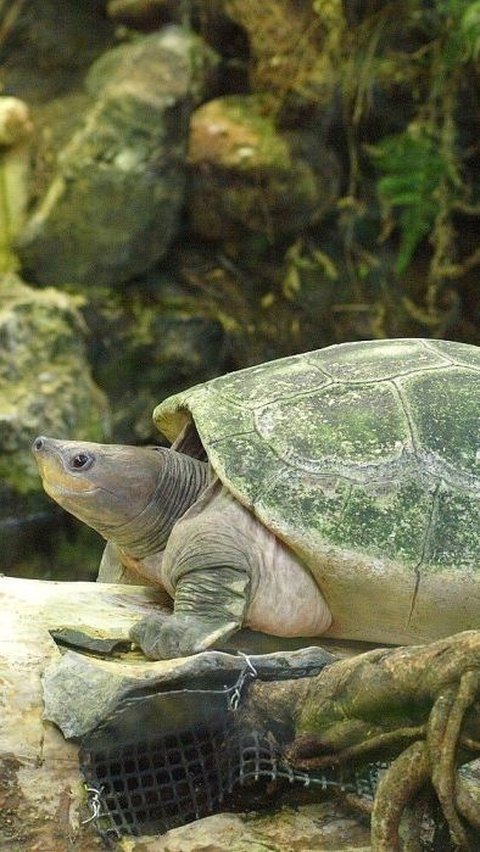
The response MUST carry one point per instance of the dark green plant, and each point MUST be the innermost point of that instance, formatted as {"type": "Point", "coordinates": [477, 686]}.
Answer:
{"type": "Point", "coordinates": [421, 173]}
{"type": "Point", "coordinates": [413, 172]}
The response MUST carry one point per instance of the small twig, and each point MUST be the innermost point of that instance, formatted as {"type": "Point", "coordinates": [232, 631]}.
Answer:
{"type": "Point", "coordinates": [9, 20]}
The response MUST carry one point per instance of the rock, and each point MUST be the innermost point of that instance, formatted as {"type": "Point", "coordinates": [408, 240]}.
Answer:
{"type": "Point", "coordinates": [209, 19]}
{"type": "Point", "coordinates": [107, 690]}
{"type": "Point", "coordinates": [169, 714]}
{"type": "Point", "coordinates": [15, 124]}
{"type": "Point", "coordinates": [248, 176]}
{"type": "Point", "coordinates": [45, 386]}
{"type": "Point", "coordinates": [323, 826]}
{"type": "Point", "coordinates": [46, 47]}
{"type": "Point", "coordinates": [167, 344]}
{"type": "Point", "coordinates": [55, 123]}
{"type": "Point", "coordinates": [112, 207]}
{"type": "Point", "coordinates": [15, 130]}
{"type": "Point", "coordinates": [42, 795]}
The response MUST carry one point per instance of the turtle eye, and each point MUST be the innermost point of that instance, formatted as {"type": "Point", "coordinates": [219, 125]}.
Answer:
{"type": "Point", "coordinates": [81, 461]}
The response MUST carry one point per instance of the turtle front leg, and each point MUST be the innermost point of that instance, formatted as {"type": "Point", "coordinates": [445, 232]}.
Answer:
{"type": "Point", "coordinates": [209, 606]}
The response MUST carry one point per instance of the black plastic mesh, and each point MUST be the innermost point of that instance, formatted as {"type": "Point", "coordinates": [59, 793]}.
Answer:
{"type": "Point", "coordinates": [150, 786]}
{"type": "Point", "coordinates": [163, 759]}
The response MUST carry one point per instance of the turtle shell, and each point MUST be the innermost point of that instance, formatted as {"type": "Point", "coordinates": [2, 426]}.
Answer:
{"type": "Point", "coordinates": [365, 459]}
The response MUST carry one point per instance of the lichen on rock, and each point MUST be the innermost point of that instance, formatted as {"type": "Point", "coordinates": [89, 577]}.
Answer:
{"type": "Point", "coordinates": [45, 384]}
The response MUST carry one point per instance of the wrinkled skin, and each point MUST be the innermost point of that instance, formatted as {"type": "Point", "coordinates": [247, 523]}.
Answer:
{"type": "Point", "coordinates": [419, 705]}
{"type": "Point", "coordinates": [169, 520]}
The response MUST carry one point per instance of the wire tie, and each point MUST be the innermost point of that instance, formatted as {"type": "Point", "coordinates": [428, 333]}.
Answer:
{"type": "Point", "coordinates": [249, 671]}
{"type": "Point", "coordinates": [94, 801]}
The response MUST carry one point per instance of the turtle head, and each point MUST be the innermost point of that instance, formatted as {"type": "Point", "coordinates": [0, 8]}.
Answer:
{"type": "Point", "coordinates": [107, 486]}
{"type": "Point", "coordinates": [132, 495]}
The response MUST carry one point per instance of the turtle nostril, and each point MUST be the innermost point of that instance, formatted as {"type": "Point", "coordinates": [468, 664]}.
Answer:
{"type": "Point", "coordinates": [38, 444]}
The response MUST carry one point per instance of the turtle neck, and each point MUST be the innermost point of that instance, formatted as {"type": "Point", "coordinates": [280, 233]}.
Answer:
{"type": "Point", "coordinates": [181, 480]}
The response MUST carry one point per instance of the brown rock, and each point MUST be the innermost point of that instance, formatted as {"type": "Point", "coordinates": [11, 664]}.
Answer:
{"type": "Point", "coordinates": [248, 176]}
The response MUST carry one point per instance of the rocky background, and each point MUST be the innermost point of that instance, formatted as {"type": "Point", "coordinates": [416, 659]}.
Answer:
{"type": "Point", "coordinates": [193, 186]}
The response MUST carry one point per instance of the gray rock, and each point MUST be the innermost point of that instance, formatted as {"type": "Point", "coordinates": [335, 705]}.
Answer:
{"type": "Point", "coordinates": [45, 386]}
{"type": "Point", "coordinates": [123, 701]}
{"type": "Point", "coordinates": [112, 207]}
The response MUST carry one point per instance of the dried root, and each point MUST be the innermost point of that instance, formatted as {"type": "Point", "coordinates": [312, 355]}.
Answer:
{"type": "Point", "coordinates": [432, 757]}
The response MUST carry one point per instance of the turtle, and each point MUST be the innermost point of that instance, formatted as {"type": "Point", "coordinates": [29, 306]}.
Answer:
{"type": "Point", "coordinates": [334, 492]}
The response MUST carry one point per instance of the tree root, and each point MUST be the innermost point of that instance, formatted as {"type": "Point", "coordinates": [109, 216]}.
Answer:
{"type": "Point", "coordinates": [443, 734]}
{"type": "Point", "coordinates": [405, 776]}
{"type": "Point", "coordinates": [432, 757]}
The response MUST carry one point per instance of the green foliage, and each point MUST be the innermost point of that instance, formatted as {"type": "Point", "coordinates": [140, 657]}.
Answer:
{"type": "Point", "coordinates": [421, 177]}
{"type": "Point", "coordinates": [470, 28]}
{"type": "Point", "coordinates": [459, 31]}
{"type": "Point", "coordinates": [413, 174]}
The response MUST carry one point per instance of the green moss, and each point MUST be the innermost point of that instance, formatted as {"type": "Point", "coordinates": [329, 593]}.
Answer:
{"type": "Point", "coordinates": [254, 113]}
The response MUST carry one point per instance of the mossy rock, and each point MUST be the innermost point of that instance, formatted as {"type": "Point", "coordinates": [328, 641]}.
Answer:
{"type": "Point", "coordinates": [248, 176]}
{"type": "Point", "coordinates": [113, 204]}
{"type": "Point", "coordinates": [45, 386]}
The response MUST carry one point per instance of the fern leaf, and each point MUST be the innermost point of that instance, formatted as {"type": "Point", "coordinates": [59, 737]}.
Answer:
{"type": "Point", "coordinates": [413, 172]}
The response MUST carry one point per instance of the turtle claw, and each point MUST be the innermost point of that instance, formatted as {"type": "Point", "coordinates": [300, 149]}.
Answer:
{"type": "Point", "coordinates": [145, 632]}
{"type": "Point", "coordinates": [178, 635]}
